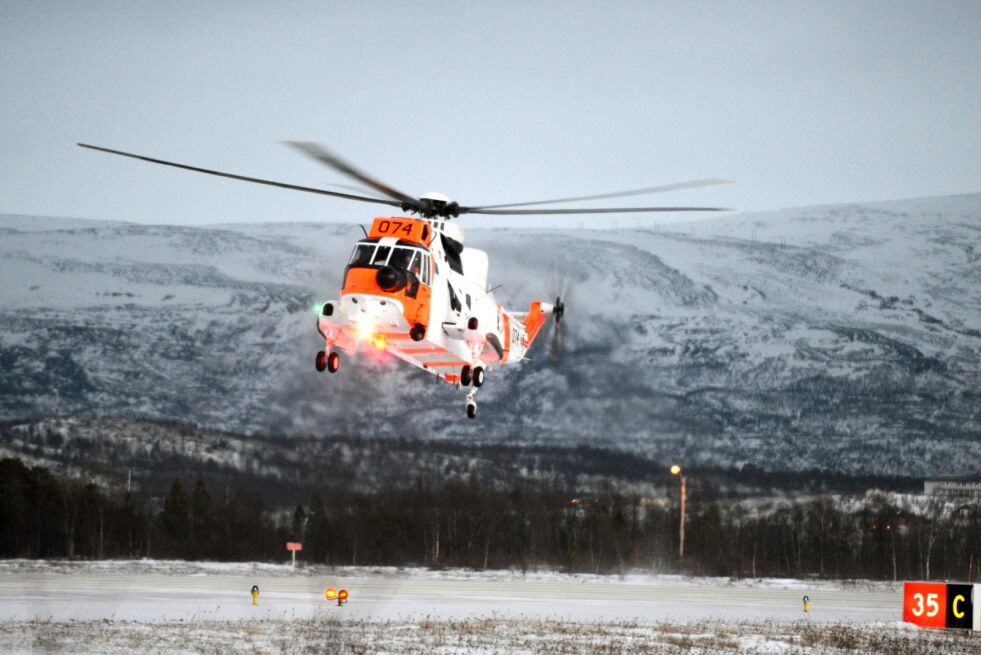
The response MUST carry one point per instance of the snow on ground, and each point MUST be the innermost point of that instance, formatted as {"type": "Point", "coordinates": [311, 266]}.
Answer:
{"type": "Point", "coordinates": [199, 568]}
{"type": "Point", "coordinates": [478, 635]}
{"type": "Point", "coordinates": [152, 590]}
{"type": "Point", "coordinates": [173, 606]}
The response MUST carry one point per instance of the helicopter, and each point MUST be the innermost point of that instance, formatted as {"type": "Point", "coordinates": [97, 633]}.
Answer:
{"type": "Point", "coordinates": [411, 288]}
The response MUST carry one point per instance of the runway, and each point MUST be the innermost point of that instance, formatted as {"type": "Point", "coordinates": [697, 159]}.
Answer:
{"type": "Point", "coordinates": [100, 594]}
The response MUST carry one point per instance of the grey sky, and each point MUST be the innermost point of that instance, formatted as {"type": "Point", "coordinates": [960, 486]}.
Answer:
{"type": "Point", "coordinates": [801, 103]}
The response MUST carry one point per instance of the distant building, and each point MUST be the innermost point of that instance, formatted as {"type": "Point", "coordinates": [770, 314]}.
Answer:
{"type": "Point", "coordinates": [953, 486]}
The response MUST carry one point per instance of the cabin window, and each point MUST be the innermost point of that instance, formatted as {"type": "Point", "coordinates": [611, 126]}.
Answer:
{"type": "Point", "coordinates": [454, 301]}
{"type": "Point", "coordinates": [452, 249]}
{"type": "Point", "coordinates": [362, 254]}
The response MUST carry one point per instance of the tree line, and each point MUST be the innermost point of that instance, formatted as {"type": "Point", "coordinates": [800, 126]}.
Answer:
{"type": "Point", "coordinates": [480, 524]}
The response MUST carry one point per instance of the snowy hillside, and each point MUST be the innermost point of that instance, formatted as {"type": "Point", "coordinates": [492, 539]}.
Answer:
{"type": "Point", "coordinates": [846, 337]}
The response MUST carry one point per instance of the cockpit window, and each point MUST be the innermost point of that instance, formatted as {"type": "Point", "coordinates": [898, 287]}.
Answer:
{"type": "Point", "coordinates": [362, 254]}
{"type": "Point", "coordinates": [412, 260]}
{"type": "Point", "coordinates": [381, 256]}
{"type": "Point", "coordinates": [415, 261]}
{"type": "Point", "coordinates": [416, 268]}
{"type": "Point", "coordinates": [401, 258]}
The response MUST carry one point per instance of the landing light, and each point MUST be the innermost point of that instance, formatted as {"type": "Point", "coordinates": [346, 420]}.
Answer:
{"type": "Point", "coordinates": [379, 341]}
{"type": "Point", "coordinates": [364, 327]}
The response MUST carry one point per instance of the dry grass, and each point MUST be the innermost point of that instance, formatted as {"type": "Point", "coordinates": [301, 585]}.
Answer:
{"type": "Point", "coordinates": [477, 635]}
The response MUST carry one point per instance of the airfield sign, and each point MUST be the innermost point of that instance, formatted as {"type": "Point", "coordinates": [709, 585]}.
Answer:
{"type": "Point", "coordinates": [942, 605]}
{"type": "Point", "coordinates": [293, 547]}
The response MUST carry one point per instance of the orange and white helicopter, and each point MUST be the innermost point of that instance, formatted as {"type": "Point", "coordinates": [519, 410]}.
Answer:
{"type": "Point", "coordinates": [413, 289]}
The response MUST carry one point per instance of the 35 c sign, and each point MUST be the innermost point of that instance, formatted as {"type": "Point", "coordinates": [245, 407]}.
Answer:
{"type": "Point", "coordinates": [940, 605]}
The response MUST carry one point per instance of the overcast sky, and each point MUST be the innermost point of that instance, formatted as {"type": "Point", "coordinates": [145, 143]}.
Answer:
{"type": "Point", "coordinates": [800, 103]}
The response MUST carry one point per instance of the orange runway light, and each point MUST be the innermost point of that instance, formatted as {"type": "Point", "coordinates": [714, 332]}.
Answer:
{"type": "Point", "coordinates": [342, 596]}
{"type": "Point", "coordinates": [330, 593]}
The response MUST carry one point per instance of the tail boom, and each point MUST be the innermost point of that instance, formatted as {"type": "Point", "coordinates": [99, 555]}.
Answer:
{"type": "Point", "coordinates": [535, 318]}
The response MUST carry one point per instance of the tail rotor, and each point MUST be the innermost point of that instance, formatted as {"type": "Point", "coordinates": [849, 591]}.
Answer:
{"type": "Point", "coordinates": [559, 285]}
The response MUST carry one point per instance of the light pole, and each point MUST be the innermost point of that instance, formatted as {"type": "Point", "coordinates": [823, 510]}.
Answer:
{"type": "Point", "coordinates": [676, 470]}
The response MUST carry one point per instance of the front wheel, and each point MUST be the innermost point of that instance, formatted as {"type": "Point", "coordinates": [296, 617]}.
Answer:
{"type": "Point", "coordinates": [333, 362]}
{"type": "Point", "coordinates": [471, 410]}
{"type": "Point", "coordinates": [321, 361]}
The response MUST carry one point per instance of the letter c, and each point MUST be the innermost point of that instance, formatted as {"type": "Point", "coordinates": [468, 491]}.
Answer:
{"type": "Point", "coordinates": [953, 606]}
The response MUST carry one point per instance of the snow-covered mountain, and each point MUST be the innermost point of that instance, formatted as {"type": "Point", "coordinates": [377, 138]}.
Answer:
{"type": "Point", "coordinates": [846, 337]}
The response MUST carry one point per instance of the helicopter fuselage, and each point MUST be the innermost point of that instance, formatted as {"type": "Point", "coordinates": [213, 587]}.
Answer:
{"type": "Point", "coordinates": [413, 290]}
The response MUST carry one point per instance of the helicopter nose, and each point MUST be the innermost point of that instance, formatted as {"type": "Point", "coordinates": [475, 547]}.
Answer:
{"type": "Point", "coordinates": [390, 279]}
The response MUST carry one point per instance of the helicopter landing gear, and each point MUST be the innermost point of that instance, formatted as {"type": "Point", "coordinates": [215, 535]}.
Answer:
{"type": "Point", "coordinates": [472, 375]}
{"type": "Point", "coordinates": [472, 405]}
{"type": "Point", "coordinates": [328, 360]}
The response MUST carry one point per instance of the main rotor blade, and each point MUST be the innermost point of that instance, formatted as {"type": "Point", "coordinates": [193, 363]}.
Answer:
{"type": "Point", "coordinates": [321, 154]}
{"type": "Point", "coordinates": [360, 189]}
{"type": "Point", "coordinates": [597, 210]}
{"type": "Point", "coordinates": [256, 180]}
{"type": "Point", "coordinates": [691, 184]}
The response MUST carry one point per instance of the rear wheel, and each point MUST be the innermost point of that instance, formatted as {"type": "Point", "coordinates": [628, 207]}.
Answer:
{"type": "Point", "coordinates": [478, 376]}
{"type": "Point", "coordinates": [466, 375]}
{"type": "Point", "coordinates": [321, 361]}
{"type": "Point", "coordinates": [333, 362]}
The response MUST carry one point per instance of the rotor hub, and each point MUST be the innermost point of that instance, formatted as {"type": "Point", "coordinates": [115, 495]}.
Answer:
{"type": "Point", "coordinates": [433, 205]}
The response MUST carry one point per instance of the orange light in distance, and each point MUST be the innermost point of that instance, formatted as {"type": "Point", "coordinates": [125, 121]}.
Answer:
{"type": "Point", "coordinates": [675, 469]}
{"type": "Point", "coordinates": [342, 595]}
{"type": "Point", "coordinates": [379, 341]}
{"type": "Point", "coordinates": [330, 593]}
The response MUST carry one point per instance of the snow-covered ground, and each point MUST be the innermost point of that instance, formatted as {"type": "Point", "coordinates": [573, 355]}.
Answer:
{"type": "Point", "coordinates": [303, 570]}
{"type": "Point", "coordinates": [177, 591]}
{"type": "Point", "coordinates": [484, 635]}
{"type": "Point", "coordinates": [206, 607]}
